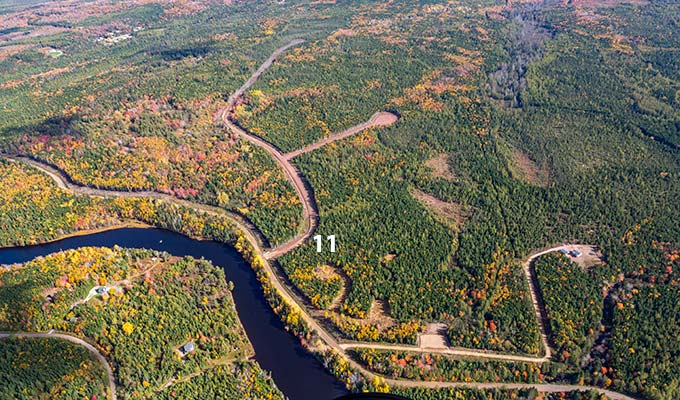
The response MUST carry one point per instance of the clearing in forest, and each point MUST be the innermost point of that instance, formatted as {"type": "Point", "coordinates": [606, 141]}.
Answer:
{"type": "Point", "coordinates": [525, 169]}
{"type": "Point", "coordinates": [434, 337]}
{"type": "Point", "coordinates": [440, 167]}
{"type": "Point", "coordinates": [452, 214]}
{"type": "Point", "coordinates": [589, 256]}
{"type": "Point", "coordinates": [379, 315]}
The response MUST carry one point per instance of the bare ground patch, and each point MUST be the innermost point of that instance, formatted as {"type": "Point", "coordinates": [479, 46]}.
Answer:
{"type": "Point", "coordinates": [379, 314]}
{"type": "Point", "coordinates": [590, 256]}
{"type": "Point", "coordinates": [434, 337]}
{"type": "Point", "coordinates": [440, 167]}
{"type": "Point", "coordinates": [453, 214]}
{"type": "Point", "coordinates": [388, 258]}
{"type": "Point", "coordinates": [527, 170]}
{"type": "Point", "coordinates": [325, 272]}
{"type": "Point", "coordinates": [383, 118]}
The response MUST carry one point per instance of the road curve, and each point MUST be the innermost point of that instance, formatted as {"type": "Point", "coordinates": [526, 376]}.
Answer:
{"type": "Point", "coordinates": [311, 218]}
{"type": "Point", "coordinates": [539, 308]}
{"type": "Point", "coordinates": [304, 192]}
{"type": "Point", "coordinates": [75, 340]}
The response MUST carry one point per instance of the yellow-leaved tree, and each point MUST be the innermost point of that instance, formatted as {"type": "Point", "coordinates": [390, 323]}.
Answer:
{"type": "Point", "coordinates": [128, 328]}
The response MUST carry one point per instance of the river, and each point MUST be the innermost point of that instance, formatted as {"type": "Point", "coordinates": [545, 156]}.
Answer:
{"type": "Point", "coordinates": [296, 372]}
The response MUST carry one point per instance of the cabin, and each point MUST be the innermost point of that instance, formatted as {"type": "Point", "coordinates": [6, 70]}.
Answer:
{"type": "Point", "coordinates": [187, 348]}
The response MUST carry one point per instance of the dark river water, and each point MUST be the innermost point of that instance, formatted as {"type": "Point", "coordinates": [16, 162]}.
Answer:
{"type": "Point", "coordinates": [296, 372]}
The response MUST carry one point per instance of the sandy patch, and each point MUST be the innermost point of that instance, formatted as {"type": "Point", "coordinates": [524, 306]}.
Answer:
{"type": "Point", "coordinates": [434, 337]}
{"type": "Point", "coordinates": [325, 272]}
{"type": "Point", "coordinates": [440, 167]}
{"type": "Point", "coordinates": [526, 169]}
{"type": "Point", "coordinates": [590, 255]}
{"type": "Point", "coordinates": [379, 315]}
{"type": "Point", "coordinates": [383, 118]}
{"type": "Point", "coordinates": [452, 213]}
{"type": "Point", "coordinates": [388, 258]}
{"type": "Point", "coordinates": [343, 32]}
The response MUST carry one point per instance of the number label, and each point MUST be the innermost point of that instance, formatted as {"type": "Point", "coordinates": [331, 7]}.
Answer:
{"type": "Point", "coordinates": [319, 243]}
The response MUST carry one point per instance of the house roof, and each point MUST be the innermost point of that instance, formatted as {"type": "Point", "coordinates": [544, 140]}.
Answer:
{"type": "Point", "coordinates": [189, 347]}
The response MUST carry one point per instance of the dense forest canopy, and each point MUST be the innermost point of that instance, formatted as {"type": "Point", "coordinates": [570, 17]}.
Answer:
{"type": "Point", "coordinates": [521, 125]}
{"type": "Point", "coordinates": [151, 306]}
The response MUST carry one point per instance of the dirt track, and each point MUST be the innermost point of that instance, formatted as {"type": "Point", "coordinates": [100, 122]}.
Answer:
{"type": "Point", "coordinates": [309, 210]}
{"type": "Point", "coordinates": [78, 341]}
{"type": "Point", "coordinates": [311, 219]}
{"type": "Point", "coordinates": [381, 118]}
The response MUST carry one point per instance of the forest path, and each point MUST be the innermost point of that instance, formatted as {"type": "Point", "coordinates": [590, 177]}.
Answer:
{"type": "Point", "coordinates": [75, 340]}
{"type": "Point", "coordinates": [541, 387]}
{"type": "Point", "coordinates": [311, 218]}
{"type": "Point", "coordinates": [381, 118]}
{"type": "Point", "coordinates": [453, 351]}
{"type": "Point", "coordinates": [309, 210]}
{"type": "Point", "coordinates": [532, 281]}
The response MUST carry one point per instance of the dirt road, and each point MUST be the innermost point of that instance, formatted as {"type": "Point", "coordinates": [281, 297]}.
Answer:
{"type": "Point", "coordinates": [532, 281]}
{"type": "Point", "coordinates": [453, 351]}
{"type": "Point", "coordinates": [311, 219]}
{"type": "Point", "coordinates": [78, 341]}
{"type": "Point", "coordinates": [381, 118]}
{"type": "Point", "coordinates": [309, 210]}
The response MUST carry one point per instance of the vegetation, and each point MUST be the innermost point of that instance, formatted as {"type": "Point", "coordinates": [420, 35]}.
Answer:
{"type": "Point", "coordinates": [573, 304]}
{"type": "Point", "coordinates": [493, 394]}
{"type": "Point", "coordinates": [238, 380]}
{"type": "Point", "coordinates": [34, 210]}
{"type": "Point", "coordinates": [170, 146]}
{"type": "Point", "coordinates": [556, 121]}
{"type": "Point", "coordinates": [154, 304]}
{"type": "Point", "coordinates": [643, 355]}
{"type": "Point", "coordinates": [434, 367]}
{"type": "Point", "coordinates": [29, 371]}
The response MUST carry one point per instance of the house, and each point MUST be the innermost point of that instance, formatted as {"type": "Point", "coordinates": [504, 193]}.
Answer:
{"type": "Point", "coordinates": [187, 348]}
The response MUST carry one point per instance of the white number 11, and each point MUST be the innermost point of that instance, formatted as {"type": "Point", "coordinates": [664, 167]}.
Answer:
{"type": "Point", "coordinates": [330, 238]}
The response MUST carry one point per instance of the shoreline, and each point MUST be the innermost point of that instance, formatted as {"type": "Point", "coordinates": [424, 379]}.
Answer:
{"type": "Point", "coordinates": [85, 232]}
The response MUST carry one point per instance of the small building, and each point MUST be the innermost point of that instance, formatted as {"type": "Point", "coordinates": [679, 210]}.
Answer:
{"type": "Point", "coordinates": [100, 289]}
{"type": "Point", "coordinates": [563, 251]}
{"type": "Point", "coordinates": [575, 253]}
{"type": "Point", "coordinates": [187, 348]}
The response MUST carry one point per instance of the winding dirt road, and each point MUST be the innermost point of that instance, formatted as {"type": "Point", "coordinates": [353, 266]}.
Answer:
{"type": "Point", "coordinates": [311, 219]}
{"type": "Point", "coordinates": [63, 181]}
{"type": "Point", "coordinates": [75, 340]}
{"type": "Point", "coordinates": [309, 210]}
